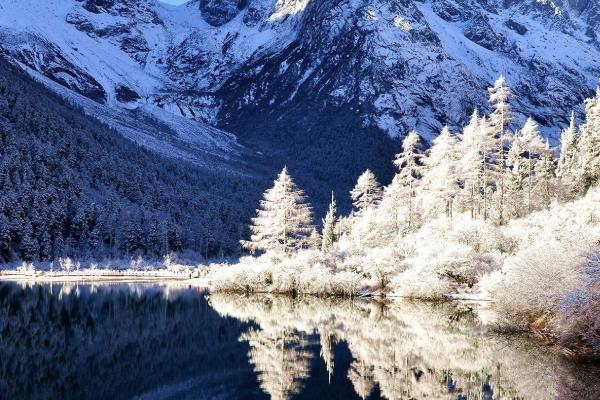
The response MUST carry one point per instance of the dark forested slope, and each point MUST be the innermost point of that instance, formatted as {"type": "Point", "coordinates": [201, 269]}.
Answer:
{"type": "Point", "coordinates": [72, 186]}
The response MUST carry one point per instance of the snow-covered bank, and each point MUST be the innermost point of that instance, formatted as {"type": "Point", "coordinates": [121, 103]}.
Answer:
{"type": "Point", "coordinates": [136, 270]}
{"type": "Point", "coordinates": [105, 276]}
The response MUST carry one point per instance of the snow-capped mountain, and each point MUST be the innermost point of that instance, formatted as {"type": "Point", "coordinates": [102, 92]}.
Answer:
{"type": "Point", "coordinates": [396, 64]}
{"type": "Point", "coordinates": [325, 85]}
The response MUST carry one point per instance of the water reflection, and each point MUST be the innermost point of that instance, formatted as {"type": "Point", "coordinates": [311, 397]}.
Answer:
{"type": "Point", "coordinates": [402, 350]}
{"type": "Point", "coordinates": [160, 342]}
{"type": "Point", "coordinates": [117, 342]}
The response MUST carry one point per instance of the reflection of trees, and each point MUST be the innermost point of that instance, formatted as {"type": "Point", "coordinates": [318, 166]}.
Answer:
{"type": "Point", "coordinates": [83, 342]}
{"type": "Point", "coordinates": [281, 360]}
{"type": "Point", "coordinates": [327, 341]}
{"type": "Point", "coordinates": [361, 376]}
{"type": "Point", "coordinates": [416, 350]}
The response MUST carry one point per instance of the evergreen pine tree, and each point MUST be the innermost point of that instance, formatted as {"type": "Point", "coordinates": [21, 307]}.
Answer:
{"type": "Point", "coordinates": [499, 95]}
{"type": "Point", "coordinates": [471, 165]}
{"type": "Point", "coordinates": [589, 148]}
{"type": "Point", "coordinates": [284, 221]}
{"type": "Point", "coordinates": [546, 174]}
{"type": "Point", "coordinates": [329, 236]}
{"type": "Point", "coordinates": [499, 119]}
{"type": "Point", "coordinates": [405, 184]}
{"type": "Point", "coordinates": [515, 184]}
{"type": "Point", "coordinates": [534, 147]}
{"type": "Point", "coordinates": [568, 151]}
{"type": "Point", "coordinates": [440, 181]}
{"type": "Point", "coordinates": [367, 191]}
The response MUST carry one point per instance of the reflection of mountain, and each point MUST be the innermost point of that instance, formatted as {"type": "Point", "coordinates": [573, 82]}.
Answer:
{"type": "Point", "coordinates": [115, 343]}
{"type": "Point", "coordinates": [418, 350]}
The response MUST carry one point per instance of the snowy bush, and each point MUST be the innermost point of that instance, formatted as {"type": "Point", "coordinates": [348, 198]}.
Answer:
{"type": "Point", "coordinates": [534, 280]}
{"type": "Point", "coordinates": [579, 311]}
{"type": "Point", "coordinates": [422, 283]}
{"type": "Point", "coordinates": [26, 268]}
{"type": "Point", "coordinates": [308, 273]}
{"type": "Point", "coordinates": [66, 264]}
{"type": "Point", "coordinates": [546, 267]}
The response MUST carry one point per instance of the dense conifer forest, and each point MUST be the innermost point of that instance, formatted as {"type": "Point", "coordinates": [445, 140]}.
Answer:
{"type": "Point", "coordinates": [73, 187]}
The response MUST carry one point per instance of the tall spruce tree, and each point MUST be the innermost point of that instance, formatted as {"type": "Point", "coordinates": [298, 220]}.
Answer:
{"type": "Point", "coordinates": [545, 174]}
{"type": "Point", "coordinates": [534, 147]}
{"type": "Point", "coordinates": [284, 221]}
{"type": "Point", "coordinates": [515, 183]}
{"type": "Point", "coordinates": [367, 191]}
{"type": "Point", "coordinates": [566, 169]}
{"type": "Point", "coordinates": [440, 180]}
{"type": "Point", "coordinates": [471, 164]}
{"type": "Point", "coordinates": [405, 184]}
{"type": "Point", "coordinates": [589, 148]}
{"type": "Point", "coordinates": [499, 119]}
{"type": "Point", "coordinates": [329, 235]}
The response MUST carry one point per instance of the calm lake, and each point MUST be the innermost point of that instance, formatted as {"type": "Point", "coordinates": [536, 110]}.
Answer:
{"type": "Point", "coordinates": [156, 342]}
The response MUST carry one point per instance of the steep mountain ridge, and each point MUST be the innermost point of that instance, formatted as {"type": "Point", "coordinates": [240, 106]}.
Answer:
{"type": "Point", "coordinates": [326, 86]}
{"type": "Point", "coordinates": [398, 64]}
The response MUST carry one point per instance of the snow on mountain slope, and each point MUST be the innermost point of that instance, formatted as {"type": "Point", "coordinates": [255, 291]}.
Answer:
{"type": "Point", "coordinates": [45, 37]}
{"type": "Point", "coordinates": [398, 64]}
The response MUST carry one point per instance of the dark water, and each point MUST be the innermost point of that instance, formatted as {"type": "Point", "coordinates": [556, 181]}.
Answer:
{"type": "Point", "coordinates": [152, 342]}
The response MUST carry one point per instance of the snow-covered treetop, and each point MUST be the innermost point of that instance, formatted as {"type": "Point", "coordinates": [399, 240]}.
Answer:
{"type": "Point", "coordinates": [530, 136]}
{"type": "Point", "coordinates": [366, 192]}
{"type": "Point", "coordinates": [284, 221]}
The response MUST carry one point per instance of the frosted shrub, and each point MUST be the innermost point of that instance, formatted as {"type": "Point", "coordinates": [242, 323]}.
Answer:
{"type": "Point", "coordinates": [308, 273]}
{"type": "Point", "coordinates": [169, 260]}
{"type": "Point", "coordinates": [137, 263]}
{"type": "Point", "coordinates": [66, 264]}
{"type": "Point", "coordinates": [421, 283]}
{"type": "Point", "coordinates": [534, 280]}
{"type": "Point", "coordinates": [26, 268]}
{"type": "Point", "coordinates": [579, 311]}
{"type": "Point", "coordinates": [552, 246]}
{"type": "Point", "coordinates": [461, 250]}
{"type": "Point", "coordinates": [380, 267]}
{"type": "Point", "coordinates": [480, 236]}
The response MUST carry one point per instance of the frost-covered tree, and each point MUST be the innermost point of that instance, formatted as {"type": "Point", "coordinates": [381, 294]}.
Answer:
{"type": "Point", "coordinates": [499, 119]}
{"type": "Point", "coordinates": [329, 234]}
{"type": "Point", "coordinates": [284, 221]}
{"type": "Point", "coordinates": [440, 183]}
{"type": "Point", "coordinates": [488, 144]}
{"type": "Point", "coordinates": [499, 95]}
{"type": "Point", "coordinates": [545, 171]}
{"type": "Point", "coordinates": [589, 147]}
{"type": "Point", "coordinates": [471, 163]}
{"type": "Point", "coordinates": [566, 169]}
{"type": "Point", "coordinates": [405, 184]}
{"type": "Point", "coordinates": [367, 191]}
{"type": "Point", "coordinates": [515, 182]}
{"type": "Point", "coordinates": [534, 147]}
{"type": "Point", "coordinates": [470, 134]}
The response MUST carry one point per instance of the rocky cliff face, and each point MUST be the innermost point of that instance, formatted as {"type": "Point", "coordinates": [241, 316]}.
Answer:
{"type": "Point", "coordinates": [321, 82]}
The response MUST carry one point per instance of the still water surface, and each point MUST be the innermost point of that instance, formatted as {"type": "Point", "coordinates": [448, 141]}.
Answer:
{"type": "Point", "coordinates": [154, 342]}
